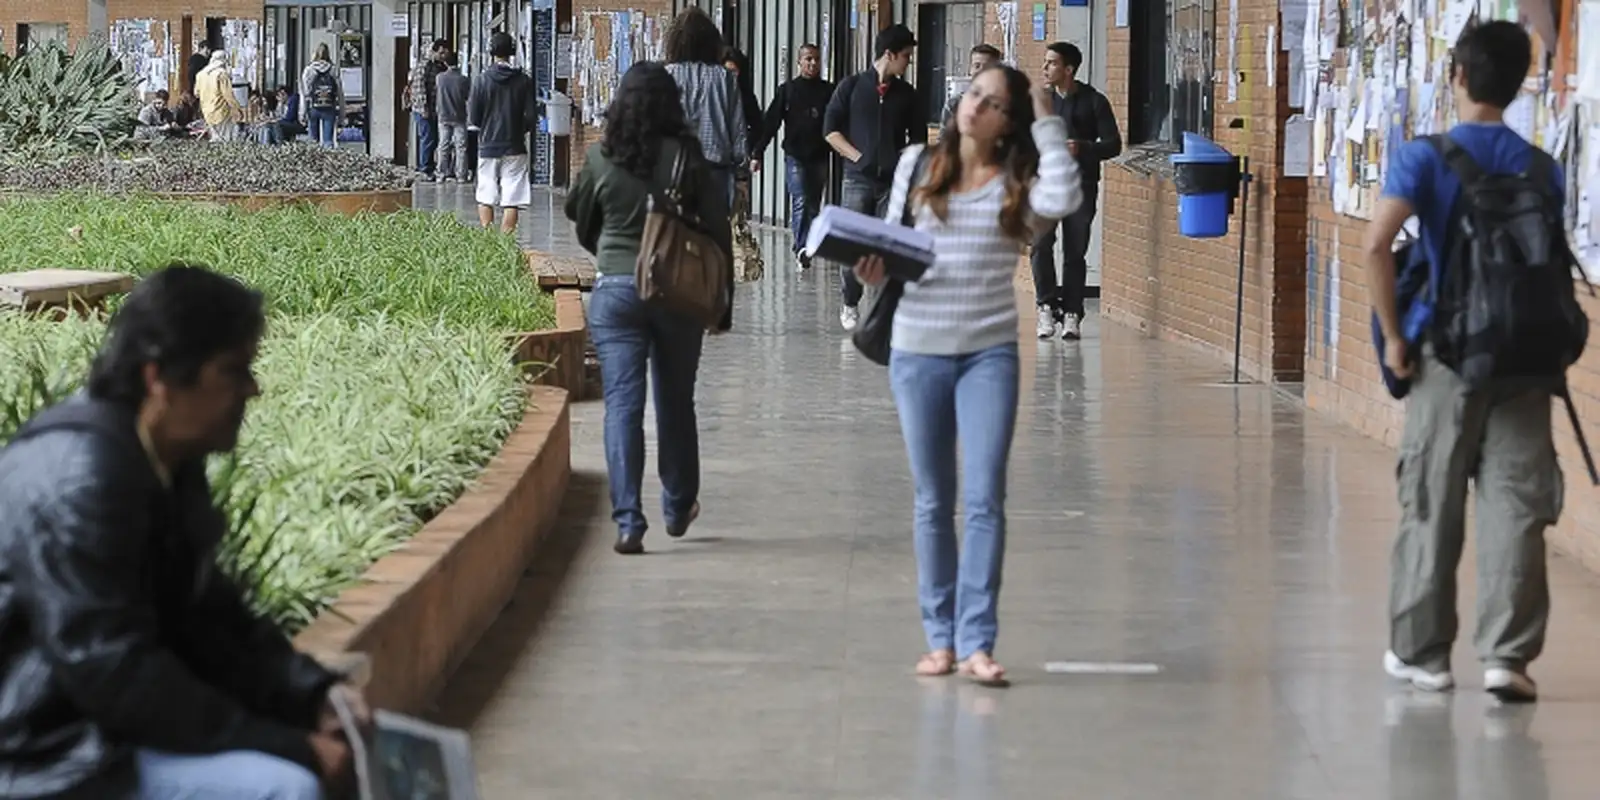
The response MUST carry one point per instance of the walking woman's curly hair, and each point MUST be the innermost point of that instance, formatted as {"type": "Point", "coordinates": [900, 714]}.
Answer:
{"type": "Point", "coordinates": [693, 39]}
{"type": "Point", "coordinates": [1016, 153]}
{"type": "Point", "coordinates": [645, 110]}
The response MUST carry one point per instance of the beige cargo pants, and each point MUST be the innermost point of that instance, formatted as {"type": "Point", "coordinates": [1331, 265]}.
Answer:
{"type": "Point", "coordinates": [1499, 438]}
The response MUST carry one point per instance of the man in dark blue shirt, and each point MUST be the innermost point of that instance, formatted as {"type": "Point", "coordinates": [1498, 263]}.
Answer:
{"type": "Point", "coordinates": [1498, 437]}
{"type": "Point", "coordinates": [873, 116]}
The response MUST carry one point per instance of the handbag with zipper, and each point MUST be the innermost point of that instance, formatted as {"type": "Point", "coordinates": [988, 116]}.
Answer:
{"type": "Point", "coordinates": [680, 267]}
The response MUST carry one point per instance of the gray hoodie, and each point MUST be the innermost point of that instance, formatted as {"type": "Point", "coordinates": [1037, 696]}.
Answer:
{"type": "Point", "coordinates": [307, 86]}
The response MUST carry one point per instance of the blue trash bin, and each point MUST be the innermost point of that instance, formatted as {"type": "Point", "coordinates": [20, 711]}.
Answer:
{"type": "Point", "coordinates": [1204, 214]}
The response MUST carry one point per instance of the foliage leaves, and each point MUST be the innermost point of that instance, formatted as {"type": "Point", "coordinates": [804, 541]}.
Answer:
{"type": "Point", "coordinates": [54, 103]}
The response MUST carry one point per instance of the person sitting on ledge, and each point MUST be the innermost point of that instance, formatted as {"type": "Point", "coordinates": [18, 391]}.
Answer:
{"type": "Point", "coordinates": [130, 665]}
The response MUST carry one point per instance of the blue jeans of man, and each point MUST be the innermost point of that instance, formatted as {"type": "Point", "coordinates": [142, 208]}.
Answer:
{"type": "Point", "coordinates": [322, 126]}
{"type": "Point", "coordinates": [805, 181]}
{"type": "Point", "coordinates": [629, 335]}
{"type": "Point", "coordinates": [970, 400]}
{"type": "Point", "coordinates": [427, 142]}
{"type": "Point", "coordinates": [236, 775]}
{"type": "Point", "coordinates": [866, 196]}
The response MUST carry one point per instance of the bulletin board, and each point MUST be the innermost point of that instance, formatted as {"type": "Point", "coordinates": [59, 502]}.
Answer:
{"type": "Point", "coordinates": [611, 42]}
{"type": "Point", "coordinates": [146, 52]}
{"type": "Point", "coordinates": [1376, 73]}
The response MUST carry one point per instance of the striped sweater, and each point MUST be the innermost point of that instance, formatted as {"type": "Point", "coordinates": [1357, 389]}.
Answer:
{"type": "Point", "coordinates": [966, 302]}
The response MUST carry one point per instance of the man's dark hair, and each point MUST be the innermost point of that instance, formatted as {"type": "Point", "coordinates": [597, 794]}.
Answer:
{"type": "Point", "coordinates": [987, 50]}
{"type": "Point", "coordinates": [284, 88]}
{"type": "Point", "coordinates": [162, 95]}
{"type": "Point", "coordinates": [811, 46]}
{"type": "Point", "coordinates": [894, 39]}
{"type": "Point", "coordinates": [1070, 54]}
{"type": "Point", "coordinates": [178, 318]}
{"type": "Point", "coordinates": [451, 59]}
{"type": "Point", "coordinates": [501, 45]}
{"type": "Point", "coordinates": [693, 39]}
{"type": "Point", "coordinates": [1495, 57]}
{"type": "Point", "coordinates": [439, 44]}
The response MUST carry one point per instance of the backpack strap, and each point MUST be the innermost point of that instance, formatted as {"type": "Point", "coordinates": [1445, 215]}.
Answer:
{"type": "Point", "coordinates": [1457, 159]}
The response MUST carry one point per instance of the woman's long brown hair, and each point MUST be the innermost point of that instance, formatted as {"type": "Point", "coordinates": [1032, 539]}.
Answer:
{"type": "Point", "coordinates": [1016, 152]}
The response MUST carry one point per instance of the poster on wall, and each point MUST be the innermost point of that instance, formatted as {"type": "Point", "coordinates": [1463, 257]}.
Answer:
{"type": "Point", "coordinates": [141, 45]}
{"type": "Point", "coordinates": [241, 40]}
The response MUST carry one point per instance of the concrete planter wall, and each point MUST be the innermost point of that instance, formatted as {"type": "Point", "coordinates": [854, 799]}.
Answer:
{"type": "Point", "coordinates": [558, 357]}
{"type": "Point", "coordinates": [385, 201]}
{"type": "Point", "coordinates": [420, 610]}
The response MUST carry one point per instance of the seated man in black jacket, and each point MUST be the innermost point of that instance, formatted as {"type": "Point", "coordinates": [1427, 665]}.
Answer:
{"type": "Point", "coordinates": [130, 666]}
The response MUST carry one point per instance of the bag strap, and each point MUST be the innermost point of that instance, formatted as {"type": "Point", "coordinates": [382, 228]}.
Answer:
{"type": "Point", "coordinates": [1457, 159]}
{"type": "Point", "coordinates": [675, 180]}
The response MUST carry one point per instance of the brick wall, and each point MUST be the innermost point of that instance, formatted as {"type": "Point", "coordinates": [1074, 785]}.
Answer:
{"type": "Point", "coordinates": [75, 13]}
{"type": "Point", "coordinates": [1183, 289]}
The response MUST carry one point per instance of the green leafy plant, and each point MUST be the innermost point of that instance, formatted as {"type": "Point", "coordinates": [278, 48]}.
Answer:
{"type": "Point", "coordinates": [54, 102]}
{"type": "Point", "coordinates": [408, 266]}
{"type": "Point", "coordinates": [366, 429]}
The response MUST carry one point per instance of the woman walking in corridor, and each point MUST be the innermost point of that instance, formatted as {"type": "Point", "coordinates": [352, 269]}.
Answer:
{"type": "Point", "coordinates": [645, 136]}
{"type": "Point", "coordinates": [989, 184]}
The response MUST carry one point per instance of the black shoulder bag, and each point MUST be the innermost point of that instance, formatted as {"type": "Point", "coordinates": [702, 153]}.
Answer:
{"type": "Point", "coordinates": [873, 335]}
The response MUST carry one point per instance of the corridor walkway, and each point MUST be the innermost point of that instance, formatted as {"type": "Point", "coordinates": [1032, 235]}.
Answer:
{"type": "Point", "coordinates": [1157, 518]}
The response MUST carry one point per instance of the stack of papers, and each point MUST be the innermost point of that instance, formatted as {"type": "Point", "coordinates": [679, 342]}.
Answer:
{"type": "Point", "coordinates": [403, 758]}
{"type": "Point", "coordinates": [846, 237]}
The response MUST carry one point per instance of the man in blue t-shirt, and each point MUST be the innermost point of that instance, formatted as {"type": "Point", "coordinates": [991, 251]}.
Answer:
{"type": "Point", "coordinates": [1499, 436]}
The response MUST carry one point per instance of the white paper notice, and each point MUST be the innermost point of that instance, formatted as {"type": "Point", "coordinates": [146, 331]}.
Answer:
{"type": "Point", "coordinates": [1520, 115]}
{"type": "Point", "coordinates": [1122, 12]}
{"type": "Point", "coordinates": [1588, 40]}
{"type": "Point", "coordinates": [1233, 51]}
{"type": "Point", "coordinates": [1297, 146]}
{"type": "Point", "coordinates": [1457, 13]}
{"type": "Point", "coordinates": [1272, 55]}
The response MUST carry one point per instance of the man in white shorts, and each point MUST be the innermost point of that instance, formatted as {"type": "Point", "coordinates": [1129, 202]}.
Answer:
{"type": "Point", "coordinates": [503, 109]}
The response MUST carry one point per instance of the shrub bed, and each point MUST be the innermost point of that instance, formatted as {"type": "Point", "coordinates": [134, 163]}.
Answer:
{"type": "Point", "coordinates": [366, 429]}
{"type": "Point", "coordinates": [209, 168]}
{"type": "Point", "coordinates": [409, 266]}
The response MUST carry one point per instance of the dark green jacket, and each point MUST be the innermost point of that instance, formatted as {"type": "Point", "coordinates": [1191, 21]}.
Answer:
{"type": "Point", "coordinates": [608, 206]}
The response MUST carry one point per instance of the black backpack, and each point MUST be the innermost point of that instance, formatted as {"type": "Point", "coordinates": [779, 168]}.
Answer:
{"type": "Point", "coordinates": [325, 91]}
{"type": "Point", "coordinates": [1505, 305]}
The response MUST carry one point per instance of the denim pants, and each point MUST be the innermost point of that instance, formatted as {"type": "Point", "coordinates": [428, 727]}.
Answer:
{"type": "Point", "coordinates": [236, 775]}
{"type": "Point", "coordinates": [427, 142]}
{"type": "Point", "coordinates": [627, 333]}
{"type": "Point", "coordinates": [865, 196]}
{"type": "Point", "coordinates": [322, 126]}
{"type": "Point", "coordinates": [970, 400]}
{"type": "Point", "coordinates": [805, 181]}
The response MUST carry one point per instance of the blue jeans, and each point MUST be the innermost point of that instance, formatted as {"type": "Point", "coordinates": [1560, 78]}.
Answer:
{"type": "Point", "coordinates": [427, 142]}
{"type": "Point", "coordinates": [236, 775]}
{"type": "Point", "coordinates": [321, 127]}
{"type": "Point", "coordinates": [626, 334]}
{"type": "Point", "coordinates": [865, 196]}
{"type": "Point", "coordinates": [943, 400]}
{"type": "Point", "coordinates": [805, 181]}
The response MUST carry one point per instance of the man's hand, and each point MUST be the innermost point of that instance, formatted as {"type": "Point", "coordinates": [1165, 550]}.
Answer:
{"type": "Point", "coordinates": [1397, 356]}
{"type": "Point", "coordinates": [328, 722]}
{"type": "Point", "coordinates": [755, 166]}
{"type": "Point", "coordinates": [1073, 145]}
{"type": "Point", "coordinates": [1044, 101]}
{"type": "Point", "coordinates": [335, 761]}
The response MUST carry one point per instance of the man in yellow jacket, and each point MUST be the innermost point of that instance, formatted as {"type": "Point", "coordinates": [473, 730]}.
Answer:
{"type": "Point", "coordinates": [218, 104]}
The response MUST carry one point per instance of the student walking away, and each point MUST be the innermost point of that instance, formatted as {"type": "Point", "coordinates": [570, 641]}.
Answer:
{"type": "Point", "coordinates": [1092, 137]}
{"type": "Point", "coordinates": [953, 363]}
{"type": "Point", "coordinates": [422, 97]}
{"type": "Point", "coordinates": [748, 265]}
{"type": "Point", "coordinates": [453, 89]}
{"type": "Point", "coordinates": [872, 117]}
{"type": "Point", "coordinates": [130, 664]}
{"type": "Point", "coordinates": [323, 98]}
{"type": "Point", "coordinates": [1478, 354]}
{"type": "Point", "coordinates": [709, 93]}
{"type": "Point", "coordinates": [218, 105]}
{"type": "Point", "coordinates": [503, 108]}
{"type": "Point", "coordinates": [981, 58]}
{"type": "Point", "coordinates": [645, 136]}
{"type": "Point", "coordinates": [797, 108]}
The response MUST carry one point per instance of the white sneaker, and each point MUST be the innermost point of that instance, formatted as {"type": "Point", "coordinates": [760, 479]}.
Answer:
{"type": "Point", "coordinates": [1072, 328]}
{"type": "Point", "coordinates": [849, 318]}
{"type": "Point", "coordinates": [1510, 686]}
{"type": "Point", "coordinates": [1047, 323]}
{"type": "Point", "coordinates": [1417, 676]}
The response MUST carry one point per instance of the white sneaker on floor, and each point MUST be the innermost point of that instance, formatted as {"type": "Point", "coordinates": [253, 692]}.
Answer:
{"type": "Point", "coordinates": [1046, 327]}
{"type": "Point", "coordinates": [1417, 676]}
{"type": "Point", "coordinates": [849, 318]}
{"type": "Point", "coordinates": [1072, 328]}
{"type": "Point", "coordinates": [1510, 686]}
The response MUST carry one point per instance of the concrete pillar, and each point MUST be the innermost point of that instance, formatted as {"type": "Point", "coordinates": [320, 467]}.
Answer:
{"type": "Point", "coordinates": [382, 127]}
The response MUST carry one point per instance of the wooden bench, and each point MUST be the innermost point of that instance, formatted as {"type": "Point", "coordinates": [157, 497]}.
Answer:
{"type": "Point", "coordinates": [76, 289]}
{"type": "Point", "coordinates": [560, 272]}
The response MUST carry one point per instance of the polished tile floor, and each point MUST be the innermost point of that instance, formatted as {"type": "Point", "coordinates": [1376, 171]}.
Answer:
{"type": "Point", "coordinates": [1157, 516]}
